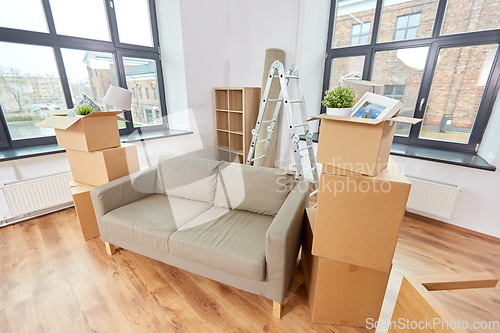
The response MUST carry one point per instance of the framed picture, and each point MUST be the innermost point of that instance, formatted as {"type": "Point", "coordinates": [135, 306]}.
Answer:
{"type": "Point", "coordinates": [375, 106]}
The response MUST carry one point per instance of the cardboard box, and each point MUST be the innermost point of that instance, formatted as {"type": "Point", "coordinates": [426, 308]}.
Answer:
{"type": "Point", "coordinates": [359, 217]}
{"type": "Point", "coordinates": [84, 209]}
{"type": "Point", "coordinates": [102, 166]}
{"type": "Point", "coordinates": [340, 293]}
{"type": "Point", "coordinates": [357, 144]}
{"type": "Point", "coordinates": [98, 130]}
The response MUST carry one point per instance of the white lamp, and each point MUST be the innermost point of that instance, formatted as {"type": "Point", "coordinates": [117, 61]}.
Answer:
{"type": "Point", "coordinates": [119, 98]}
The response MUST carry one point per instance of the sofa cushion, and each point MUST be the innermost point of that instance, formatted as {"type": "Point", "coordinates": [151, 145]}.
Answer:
{"type": "Point", "coordinates": [188, 177]}
{"type": "Point", "coordinates": [151, 221]}
{"type": "Point", "coordinates": [233, 242]}
{"type": "Point", "coordinates": [255, 189]}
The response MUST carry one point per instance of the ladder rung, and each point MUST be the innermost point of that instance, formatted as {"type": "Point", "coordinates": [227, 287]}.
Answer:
{"type": "Point", "coordinates": [274, 100]}
{"type": "Point", "coordinates": [306, 147]}
{"type": "Point", "coordinates": [296, 101]}
{"type": "Point", "coordinates": [268, 121]}
{"type": "Point", "coordinates": [300, 125]}
{"type": "Point", "coordinates": [314, 206]}
{"type": "Point", "coordinates": [313, 193]}
{"type": "Point", "coordinates": [312, 169]}
{"type": "Point", "coordinates": [258, 158]}
{"type": "Point", "coordinates": [288, 76]}
{"type": "Point", "coordinates": [264, 140]}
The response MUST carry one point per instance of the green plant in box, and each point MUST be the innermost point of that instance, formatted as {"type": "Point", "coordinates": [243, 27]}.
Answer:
{"type": "Point", "coordinates": [84, 110]}
{"type": "Point", "coordinates": [339, 97]}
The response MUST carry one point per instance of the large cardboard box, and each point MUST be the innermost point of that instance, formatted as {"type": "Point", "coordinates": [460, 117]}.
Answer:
{"type": "Point", "coordinates": [102, 166]}
{"type": "Point", "coordinates": [84, 209]}
{"type": "Point", "coordinates": [357, 144]}
{"type": "Point", "coordinates": [340, 293]}
{"type": "Point", "coordinates": [98, 130]}
{"type": "Point", "coordinates": [359, 217]}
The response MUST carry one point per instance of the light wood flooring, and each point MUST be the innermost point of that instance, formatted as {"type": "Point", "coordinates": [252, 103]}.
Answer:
{"type": "Point", "coordinates": [54, 281]}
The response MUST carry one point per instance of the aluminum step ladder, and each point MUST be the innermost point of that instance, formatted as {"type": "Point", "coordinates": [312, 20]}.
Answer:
{"type": "Point", "coordinates": [277, 71]}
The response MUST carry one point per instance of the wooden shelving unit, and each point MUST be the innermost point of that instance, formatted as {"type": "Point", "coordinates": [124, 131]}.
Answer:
{"type": "Point", "coordinates": [236, 111]}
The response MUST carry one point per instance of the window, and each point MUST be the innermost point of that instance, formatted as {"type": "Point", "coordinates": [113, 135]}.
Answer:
{"type": "Point", "coordinates": [139, 73]}
{"type": "Point", "coordinates": [414, 19]}
{"type": "Point", "coordinates": [360, 33]}
{"type": "Point", "coordinates": [407, 26]}
{"type": "Point", "coordinates": [47, 62]}
{"type": "Point", "coordinates": [439, 57]}
{"type": "Point", "coordinates": [394, 91]}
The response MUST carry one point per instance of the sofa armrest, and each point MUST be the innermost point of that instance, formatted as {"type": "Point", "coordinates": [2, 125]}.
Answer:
{"type": "Point", "coordinates": [283, 239]}
{"type": "Point", "coordinates": [123, 191]}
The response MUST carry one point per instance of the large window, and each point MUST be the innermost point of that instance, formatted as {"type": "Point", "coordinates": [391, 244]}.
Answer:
{"type": "Point", "coordinates": [50, 58]}
{"type": "Point", "coordinates": [439, 57]}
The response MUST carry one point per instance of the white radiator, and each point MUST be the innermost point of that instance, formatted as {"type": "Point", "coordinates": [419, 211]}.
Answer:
{"type": "Point", "coordinates": [432, 198]}
{"type": "Point", "coordinates": [36, 194]}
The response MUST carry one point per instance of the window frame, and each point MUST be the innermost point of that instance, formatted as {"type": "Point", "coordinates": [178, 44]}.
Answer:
{"type": "Point", "coordinates": [115, 47]}
{"type": "Point", "coordinates": [435, 42]}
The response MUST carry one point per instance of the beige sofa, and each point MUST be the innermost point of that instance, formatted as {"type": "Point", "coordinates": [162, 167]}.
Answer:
{"type": "Point", "coordinates": [236, 224]}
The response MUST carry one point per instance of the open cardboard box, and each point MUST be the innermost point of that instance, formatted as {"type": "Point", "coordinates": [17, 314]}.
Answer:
{"type": "Point", "coordinates": [359, 217]}
{"type": "Point", "coordinates": [339, 293]}
{"type": "Point", "coordinates": [357, 144]}
{"type": "Point", "coordinates": [95, 131]}
{"type": "Point", "coordinates": [84, 209]}
{"type": "Point", "coordinates": [102, 166]}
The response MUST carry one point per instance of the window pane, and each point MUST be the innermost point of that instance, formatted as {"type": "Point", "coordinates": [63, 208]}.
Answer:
{"type": "Point", "coordinates": [13, 14]}
{"type": "Point", "coordinates": [134, 25]}
{"type": "Point", "coordinates": [398, 16]}
{"type": "Point", "coordinates": [465, 16]}
{"type": "Point", "coordinates": [349, 18]}
{"type": "Point", "coordinates": [80, 18]}
{"type": "Point", "coordinates": [414, 20]}
{"type": "Point", "coordinates": [347, 67]}
{"type": "Point", "coordinates": [89, 73]}
{"type": "Point", "coordinates": [401, 72]}
{"type": "Point", "coordinates": [411, 33]}
{"type": "Point", "coordinates": [456, 92]}
{"type": "Point", "coordinates": [29, 85]}
{"type": "Point", "coordinates": [141, 76]}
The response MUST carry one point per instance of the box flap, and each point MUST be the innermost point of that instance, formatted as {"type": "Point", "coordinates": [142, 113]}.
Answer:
{"type": "Point", "coordinates": [77, 187]}
{"type": "Point", "coordinates": [325, 116]}
{"type": "Point", "coordinates": [406, 120]}
{"type": "Point", "coordinates": [58, 122]}
{"type": "Point", "coordinates": [103, 114]}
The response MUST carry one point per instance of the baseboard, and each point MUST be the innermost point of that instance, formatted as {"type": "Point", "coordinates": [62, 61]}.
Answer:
{"type": "Point", "coordinates": [452, 226]}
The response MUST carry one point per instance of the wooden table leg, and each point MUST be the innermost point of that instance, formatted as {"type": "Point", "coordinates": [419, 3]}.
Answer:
{"type": "Point", "coordinates": [277, 309]}
{"type": "Point", "coordinates": [110, 248]}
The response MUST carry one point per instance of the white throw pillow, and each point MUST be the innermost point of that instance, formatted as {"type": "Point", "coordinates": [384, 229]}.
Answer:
{"type": "Point", "coordinates": [188, 177]}
{"type": "Point", "coordinates": [255, 189]}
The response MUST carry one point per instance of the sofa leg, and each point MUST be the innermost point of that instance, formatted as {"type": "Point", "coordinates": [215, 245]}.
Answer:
{"type": "Point", "coordinates": [277, 309]}
{"type": "Point", "coordinates": [110, 248]}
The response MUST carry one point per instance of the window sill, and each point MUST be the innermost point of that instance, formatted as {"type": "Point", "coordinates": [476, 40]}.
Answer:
{"type": "Point", "coordinates": [27, 152]}
{"type": "Point", "coordinates": [468, 160]}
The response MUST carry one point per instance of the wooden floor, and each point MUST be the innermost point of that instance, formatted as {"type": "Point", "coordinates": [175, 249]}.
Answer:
{"type": "Point", "coordinates": [53, 281]}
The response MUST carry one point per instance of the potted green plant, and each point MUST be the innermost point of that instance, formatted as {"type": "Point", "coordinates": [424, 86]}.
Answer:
{"type": "Point", "coordinates": [83, 110]}
{"type": "Point", "coordinates": [339, 100]}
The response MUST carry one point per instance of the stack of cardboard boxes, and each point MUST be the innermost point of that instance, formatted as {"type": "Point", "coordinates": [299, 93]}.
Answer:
{"type": "Point", "coordinates": [350, 238]}
{"type": "Point", "coordinates": [96, 156]}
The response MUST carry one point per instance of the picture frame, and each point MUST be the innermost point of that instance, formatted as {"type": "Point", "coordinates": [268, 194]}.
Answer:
{"type": "Point", "coordinates": [375, 106]}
